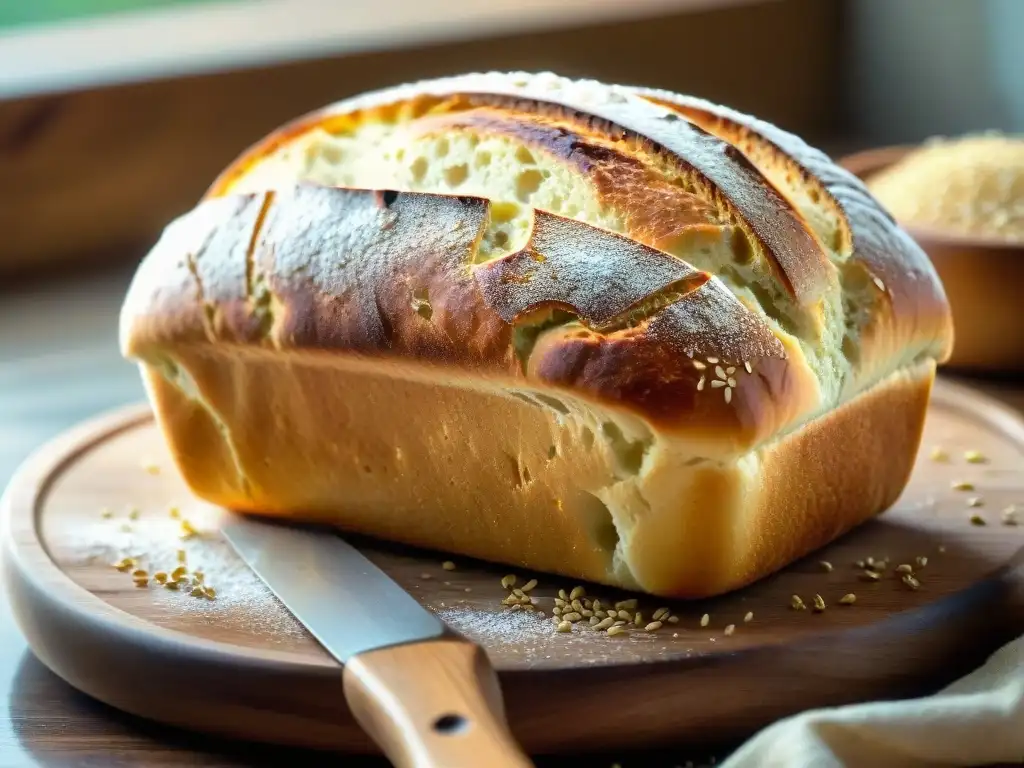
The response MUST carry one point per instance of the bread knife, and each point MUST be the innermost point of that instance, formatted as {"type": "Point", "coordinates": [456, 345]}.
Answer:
{"type": "Point", "coordinates": [428, 697]}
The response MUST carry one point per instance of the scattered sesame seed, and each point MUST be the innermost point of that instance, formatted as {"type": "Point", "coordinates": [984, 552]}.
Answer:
{"type": "Point", "coordinates": [172, 585]}
{"type": "Point", "coordinates": [555, 611]}
{"type": "Point", "coordinates": [974, 457]}
{"type": "Point", "coordinates": [143, 582]}
{"type": "Point", "coordinates": [175, 513]}
{"type": "Point", "coordinates": [572, 616]}
{"type": "Point", "coordinates": [426, 576]}
{"type": "Point", "coordinates": [518, 593]}
{"type": "Point", "coordinates": [468, 589]}
{"type": "Point", "coordinates": [827, 566]}
{"type": "Point", "coordinates": [564, 626]}
{"type": "Point", "coordinates": [182, 555]}
{"type": "Point", "coordinates": [700, 384]}
{"type": "Point", "coordinates": [749, 617]}
{"type": "Point", "coordinates": [730, 371]}
{"type": "Point", "coordinates": [659, 614]}
{"type": "Point", "coordinates": [962, 485]}
{"type": "Point", "coordinates": [910, 581]}
{"type": "Point", "coordinates": [904, 568]}
{"type": "Point", "coordinates": [560, 602]}
{"type": "Point", "coordinates": [819, 604]}
{"type": "Point", "coordinates": [625, 615]}
{"type": "Point", "coordinates": [939, 454]}
{"type": "Point", "coordinates": [654, 626]}
{"type": "Point", "coordinates": [562, 595]}
{"type": "Point", "coordinates": [705, 620]}
{"type": "Point", "coordinates": [720, 373]}
{"type": "Point", "coordinates": [125, 564]}
{"type": "Point", "coordinates": [1010, 515]}
{"type": "Point", "coordinates": [942, 548]}
{"type": "Point", "coordinates": [197, 591]}
{"type": "Point", "coordinates": [529, 585]}
{"type": "Point", "coordinates": [211, 593]}
{"type": "Point", "coordinates": [878, 283]}
{"type": "Point", "coordinates": [508, 581]}
{"type": "Point", "coordinates": [797, 604]}
{"type": "Point", "coordinates": [728, 395]}
{"type": "Point", "coordinates": [615, 630]}
{"type": "Point", "coordinates": [977, 520]}
{"type": "Point", "coordinates": [587, 613]}
{"type": "Point", "coordinates": [596, 605]}
{"type": "Point", "coordinates": [125, 528]}
{"type": "Point", "coordinates": [106, 513]}
{"type": "Point", "coordinates": [577, 592]}
{"type": "Point", "coordinates": [673, 619]}
{"type": "Point", "coordinates": [975, 501]}
{"type": "Point", "coordinates": [712, 361]}
{"type": "Point", "coordinates": [577, 606]}
{"type": "Point", "coordinates": [729, 629]}
{"type": "Point", "coordinates": [179, 573]}
{"type": "Point", "coordinates": [715, 384]}
{"type": "Point", "coordinates": [594, 621]}
{"type": "Point", "coordinates": [134, 514]}
{"type": "Point", "coordinates": [516, 607]}
{"type": "Point", "coordinates": [187, 530]}
{"type": "Point", "coordinates": [448, 565]}
{"type": "Point", "coordinates": [604, 623]}
{"type": "Point", "coordinates": [140, 574]}
{"type": "Point", "coordinates": [160, 577]}
{"type": "Point", "coordinates": [849, 599]}
{"type": "Point", "coordinates": [675, 634]}
{"type": "Point", "coordinates": [747, 366]}
{"type": "Point", "coordinates": [699, 365]}
{"type": "Point", "coordinates": [870, 576]}
{"type": "Point", "coordinates": [626, 605]}
{"type": "Point", "coordinates": [859, 564]}
{"type": "Point", "coordinates": [151, 468]}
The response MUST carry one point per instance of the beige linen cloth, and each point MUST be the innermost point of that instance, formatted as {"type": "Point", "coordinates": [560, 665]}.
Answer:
{"type": "Point", "coordinates": [978, 720]}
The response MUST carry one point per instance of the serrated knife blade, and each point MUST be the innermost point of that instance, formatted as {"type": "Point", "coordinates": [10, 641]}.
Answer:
{"type": "Point", "coordinates": [427, 696]}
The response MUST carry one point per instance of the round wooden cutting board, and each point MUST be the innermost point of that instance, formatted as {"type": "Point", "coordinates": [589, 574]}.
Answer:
{"type": "Point", "coordinates": [240, 666]}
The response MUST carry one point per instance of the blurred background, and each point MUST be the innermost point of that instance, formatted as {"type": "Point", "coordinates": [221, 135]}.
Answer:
{"type": "Point", "coordinates": [116, 114]}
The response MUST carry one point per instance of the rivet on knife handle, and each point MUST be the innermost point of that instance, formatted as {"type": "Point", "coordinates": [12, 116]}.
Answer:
{"type": "Point", "coordinates": [434, 704]}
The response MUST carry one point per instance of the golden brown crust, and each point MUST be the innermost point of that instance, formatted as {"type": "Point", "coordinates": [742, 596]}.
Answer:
{"type": "Point", "coordinates": [911, 310]}
{"type": "Point", "coordinates": [391, 275]}
{"type": "Point", "coordinates": [639, 406]}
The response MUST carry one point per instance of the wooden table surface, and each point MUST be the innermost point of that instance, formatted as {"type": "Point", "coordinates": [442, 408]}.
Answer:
{"type": "Point", "coordinates": [59, 364]}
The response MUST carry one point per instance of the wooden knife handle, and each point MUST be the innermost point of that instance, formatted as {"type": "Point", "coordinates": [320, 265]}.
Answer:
{"type": "Point", "coordinates": [435, 704]}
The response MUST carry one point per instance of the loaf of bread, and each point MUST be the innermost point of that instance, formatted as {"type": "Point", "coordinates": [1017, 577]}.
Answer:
{"type": "Point", "coordinates": [616, 334]}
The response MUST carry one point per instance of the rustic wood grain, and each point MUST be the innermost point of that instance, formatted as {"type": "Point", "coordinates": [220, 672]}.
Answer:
{"type": "Point", "coordinates": [240, 666]}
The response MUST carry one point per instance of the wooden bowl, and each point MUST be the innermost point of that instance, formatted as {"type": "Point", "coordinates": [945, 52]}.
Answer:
{"type": "Point", "coordinates": [983, 278]}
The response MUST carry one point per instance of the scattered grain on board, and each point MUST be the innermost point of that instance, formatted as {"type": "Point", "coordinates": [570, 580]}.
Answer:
{"type": "Point", "coordinates": [616, 629]}
{"type": "Point", "coordinates": [921, 561]}
{"type": "Point", "coordinates": [448, 565]}
{"type": "Point", "coordinates": [749, 617]}
{"type": "Point", "coordinates": [729, 629]}
{"type": "Point", "coordinates": [911, 582]}
{"type": "Point", "coordinates": [974, 457]}
{"type": "Point", "coordinates": [577, 592]}
{"type": "Point", "coordinates": [508, 581]}
{"type": "Point", "coordinates": [975, 501]}
{"type": "Point", "coordinates": [962, 485]}
{"type": "Point", "coordinates": [1010, 516]}
{"type": "Point", "coordinates": [904, 568]}
{"type": "Point", "coordinates": [529, 585]}
{"type": "Point", "coordinates": [977, 520]}
{"type": "Point", "coordinates": [939, 454]}
{"type": "Point", "coordinates": [797, 603]}
{"type": "Point", "coordinates": [654, 626]}
{"type": "Point", "coordinates": [870, 576]}
{"type": "Point", "coordinates": [564, 626]}
{"type": "Point", "coordinates": [849, 599]}
{"type": "Point", "coordinates": [819, 604]}
{"type": "Point", "coordinates": [705, 620]}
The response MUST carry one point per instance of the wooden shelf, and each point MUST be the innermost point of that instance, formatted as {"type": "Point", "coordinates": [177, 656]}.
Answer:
{"type": "Point", "coordinates": [220, 35]}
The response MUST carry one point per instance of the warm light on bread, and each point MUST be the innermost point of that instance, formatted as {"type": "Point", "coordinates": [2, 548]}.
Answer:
{"type": "Point", "coordinates": [971, 185]}
{"type": "Point", "coordinates": [617, 334]}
